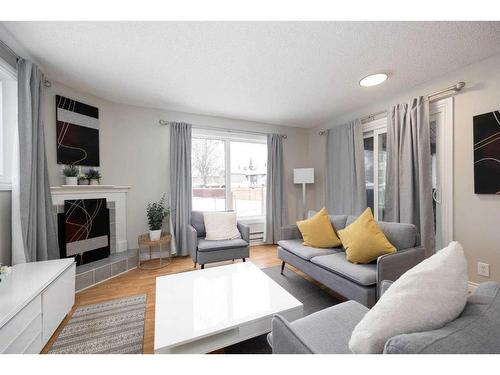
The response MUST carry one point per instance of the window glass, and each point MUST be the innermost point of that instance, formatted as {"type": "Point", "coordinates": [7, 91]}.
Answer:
{"type": "Point", "coordinates": [369, 176]}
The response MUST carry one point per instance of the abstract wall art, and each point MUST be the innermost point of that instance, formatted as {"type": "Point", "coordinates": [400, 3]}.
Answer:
{"type": "Point", "coordinates": [487, 153]}
{"type": "Point", "coordinates": [84, 230]}
{"type": "Point", "coordinates": [77, 132]}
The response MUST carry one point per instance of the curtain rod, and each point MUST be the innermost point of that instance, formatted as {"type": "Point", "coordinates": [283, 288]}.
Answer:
{"type": "Point", "coordinates": [455, 88]}
{"type": "Point", "coordinates": [164, 122]}
{"type": "Point", "coordinates": [46, 83]}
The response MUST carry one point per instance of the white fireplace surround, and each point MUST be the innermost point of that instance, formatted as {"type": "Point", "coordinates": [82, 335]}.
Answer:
{"type": "Point", "coordinates": [112, 193]}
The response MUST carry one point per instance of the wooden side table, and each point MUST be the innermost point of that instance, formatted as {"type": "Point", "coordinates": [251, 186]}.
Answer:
{"type": "Point", "coordinates": [145, 242]}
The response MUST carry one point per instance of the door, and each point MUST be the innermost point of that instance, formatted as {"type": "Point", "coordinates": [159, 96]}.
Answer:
{"type": "Point", "coordinates": [441, 138]}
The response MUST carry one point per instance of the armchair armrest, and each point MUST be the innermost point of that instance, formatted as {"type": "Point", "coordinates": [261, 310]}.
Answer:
{"type": "Point", "coordinates": [192, 242]}
{"type": "Point", "coordinates": [284, 340]}
{"type": "Point", "coordinates": [290, 232]}
{"type": "Point", "coordinates": [391, 266]}
{"type": "Point", "coordinates": [244, 230]}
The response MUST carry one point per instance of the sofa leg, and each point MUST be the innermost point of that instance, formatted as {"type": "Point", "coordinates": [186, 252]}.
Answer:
{"type": "Point", "coordinates": [194, 264]}
{"type": "Point", "coordinates": [282, 267]}
{"type": "Point", "coordinates": [244, 260]}
{"type": "Point", "coordinates": [202, 266]}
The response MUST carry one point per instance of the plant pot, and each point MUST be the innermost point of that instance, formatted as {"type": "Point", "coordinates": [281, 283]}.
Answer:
{"type": "Point", "coordinates": [94, 182]}
{"type": "Point", "coordinates": [71, 180]}
{"type": "Point", "coordinates": [154, 235]}
{"type": "Point", "coordinates": [83, 182]}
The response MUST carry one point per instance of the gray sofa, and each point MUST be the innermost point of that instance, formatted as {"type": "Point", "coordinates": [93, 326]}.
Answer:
{"type": "Point", "coordinates": [203, 251]}
{"type": "Point", "coordinates": [475, 331]}
{"type": "Point", "coordinates": [358, 282]}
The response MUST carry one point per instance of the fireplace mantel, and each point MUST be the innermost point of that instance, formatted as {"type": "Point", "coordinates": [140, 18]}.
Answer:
{"type": "Point", "coordinates": [83, 189]}
{"type": "Point", "coordinates": [112, 193]}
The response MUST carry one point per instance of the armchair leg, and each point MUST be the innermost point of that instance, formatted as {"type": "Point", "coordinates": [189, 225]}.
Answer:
{"type": "Point", "coordinates": [282, 267]}
{"type": "Point", "coordinates": [194, 264]}
{"type": "Point", "coordinates": [244, 260]}
{"type": "Point", "coordinates": [202, 266]}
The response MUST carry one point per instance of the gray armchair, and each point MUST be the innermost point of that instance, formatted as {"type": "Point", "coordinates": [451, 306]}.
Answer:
{"type": "Point", "coordinates": [203, 251]}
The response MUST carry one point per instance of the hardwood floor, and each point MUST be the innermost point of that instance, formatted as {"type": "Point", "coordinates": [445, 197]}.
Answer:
{"type": "Point", "coordinates": [138, 281]}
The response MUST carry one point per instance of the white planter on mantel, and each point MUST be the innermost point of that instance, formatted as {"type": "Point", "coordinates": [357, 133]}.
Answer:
{"type": "Point", "coordinates": [112, 193]}
{"type": "Point", "coordinates": [71, 181]}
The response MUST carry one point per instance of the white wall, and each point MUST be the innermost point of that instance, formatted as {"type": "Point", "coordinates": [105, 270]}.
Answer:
{"type": "Point", "coordinates": [476, 217]}
{"type": "Point", "coordinates": [134, 151]}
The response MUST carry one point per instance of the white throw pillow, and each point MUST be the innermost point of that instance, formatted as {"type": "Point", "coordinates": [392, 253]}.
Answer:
{"type": "Point", "coordinates": [221, 226]}
{"type": "Point", "coordinates": [426, 297]}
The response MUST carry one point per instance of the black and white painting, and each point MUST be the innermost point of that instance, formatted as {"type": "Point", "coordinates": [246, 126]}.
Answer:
{"type": "Point", "coordinates": [487, 153]}
{"type": "Point", "coordinates": [77, 132]}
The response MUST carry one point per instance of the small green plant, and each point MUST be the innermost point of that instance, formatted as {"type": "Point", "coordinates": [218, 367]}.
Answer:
{"type": "Point", "coordinates": [93, 174]}
{"type": "Point", "coordinates": [156, 212]}
{"type": "Point", "coordinates": [70, 171]}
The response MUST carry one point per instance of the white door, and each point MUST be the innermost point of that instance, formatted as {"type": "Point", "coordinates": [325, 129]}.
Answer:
{"type": "Point", "coordinates": [441, 134]}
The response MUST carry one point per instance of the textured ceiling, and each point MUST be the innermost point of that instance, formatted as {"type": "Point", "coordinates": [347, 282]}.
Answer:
{"type": "Point", "coordinates": [289, 73]}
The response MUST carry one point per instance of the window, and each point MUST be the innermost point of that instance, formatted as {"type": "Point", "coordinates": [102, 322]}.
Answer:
{"type": "Point", "coordinates": [229, 172]}
{"type": "Point", "coordinates": [8, 121]}
{"type": "Point", "coordinates": [375, 144]}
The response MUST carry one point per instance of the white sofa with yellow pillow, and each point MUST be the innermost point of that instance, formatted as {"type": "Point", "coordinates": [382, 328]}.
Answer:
{"type": "Point", "coordinates": [343, 271]}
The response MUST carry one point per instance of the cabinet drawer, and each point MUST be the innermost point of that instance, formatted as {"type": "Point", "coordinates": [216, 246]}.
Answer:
{"type": "Point", "coordinates": [57, 301]}
{"type": "Point", "coordinates": [21, 330]}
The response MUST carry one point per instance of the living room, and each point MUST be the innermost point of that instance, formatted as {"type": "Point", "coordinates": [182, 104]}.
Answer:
{"type": "Point", "coordinates": [249, 187]}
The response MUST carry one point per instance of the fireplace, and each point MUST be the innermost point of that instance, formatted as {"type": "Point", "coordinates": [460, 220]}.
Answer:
{"type": "Point", "coordinates": [84, 230]}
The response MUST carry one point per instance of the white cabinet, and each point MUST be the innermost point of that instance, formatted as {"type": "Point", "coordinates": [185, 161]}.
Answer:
{"type": "Point", "coordinates": [34, 300]}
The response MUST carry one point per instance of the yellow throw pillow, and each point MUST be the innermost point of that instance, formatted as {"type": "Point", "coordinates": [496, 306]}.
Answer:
{"type": "Point", "coordinates": [318, 231]}
{"type": "Point", "coordinates": [363, 240]}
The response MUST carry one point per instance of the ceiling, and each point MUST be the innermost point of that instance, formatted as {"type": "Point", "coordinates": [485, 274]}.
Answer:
{"type": "Point", "coordinates": [288, 73]}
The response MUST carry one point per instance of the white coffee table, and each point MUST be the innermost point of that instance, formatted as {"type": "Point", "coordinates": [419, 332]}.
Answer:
{"type": "Point", "coordinates": [205, 310]}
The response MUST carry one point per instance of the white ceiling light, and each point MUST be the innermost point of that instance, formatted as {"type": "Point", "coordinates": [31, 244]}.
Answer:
{"type": "Point", "coordinates": [373, 80]}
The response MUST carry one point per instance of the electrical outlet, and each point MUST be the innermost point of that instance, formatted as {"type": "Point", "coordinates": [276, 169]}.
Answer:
{"type": "Point", "coordinates": [483, 269]}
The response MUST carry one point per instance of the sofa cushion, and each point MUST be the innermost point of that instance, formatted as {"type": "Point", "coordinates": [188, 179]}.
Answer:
{"type": "Point", "coordinates": [305, 252]}
{"type": "Point", "coordinates": [318, 231]}
{"type": "Point", "coordinates": [401, 235]}
{"type": "Point", "coordinates": [475, 331]}
{"type": "Point", "coordinates": [363, 239]}
{"type": "Point", "coordinates": [198, 223]}
{"type": "Point", "coordinates": [338, 221]}
{"type": "Point", "coordinates": [364, 274]}
{"type": "Point", "coordinates": [206, 245]}
{"type": "Point", "coordinates": [328, 331]}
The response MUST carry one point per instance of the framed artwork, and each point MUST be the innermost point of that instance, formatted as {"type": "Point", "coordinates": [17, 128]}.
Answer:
{"type": "Point", "coordinates": [487, 153]}
{"type": "Point", "coordinates": [84, 230]}
{"type": "Point", "coordinates": [77, 132]}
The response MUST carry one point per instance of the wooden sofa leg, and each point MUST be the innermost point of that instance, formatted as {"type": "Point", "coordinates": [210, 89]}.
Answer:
{"type": "Point", "coordinates": [282, 267]}
{"type": "Point", "coordinates": [202, 266]}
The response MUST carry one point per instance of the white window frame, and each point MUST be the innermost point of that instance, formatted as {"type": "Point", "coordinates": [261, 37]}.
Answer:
{"type": "Point", "coordinates": [8, 122]}
{"type": "Point", "coordinates": [373, 129]}
{"type": "Point", "coordinates": [227, 137]}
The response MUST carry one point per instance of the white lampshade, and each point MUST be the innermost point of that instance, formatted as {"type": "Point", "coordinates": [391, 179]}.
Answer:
{"type": "Point", "coordinates": [303, 175]}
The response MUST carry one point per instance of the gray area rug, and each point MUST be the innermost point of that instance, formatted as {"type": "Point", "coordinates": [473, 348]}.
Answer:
{"type": "Point", "coordinates": [115, 326]}
{"type": "Point", "coordinates": [312, 297]}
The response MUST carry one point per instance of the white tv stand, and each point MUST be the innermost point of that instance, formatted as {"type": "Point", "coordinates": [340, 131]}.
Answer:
{"type": "Point", "coordinates": [34, 299]}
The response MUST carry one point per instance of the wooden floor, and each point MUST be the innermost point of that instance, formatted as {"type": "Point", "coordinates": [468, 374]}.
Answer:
{"type": "Point", "coordinates": [138, 281]}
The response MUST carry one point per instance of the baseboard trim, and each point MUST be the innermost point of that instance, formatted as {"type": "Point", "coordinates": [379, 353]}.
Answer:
{"type": "Point", "coordinates": [472, 286]}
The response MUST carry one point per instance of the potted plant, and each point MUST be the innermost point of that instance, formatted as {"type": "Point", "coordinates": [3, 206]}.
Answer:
{"type": "Point", "coordinates": [70, 172]}
{"type": "Point", "coordinates": [156, 212]}
{"type": "Point", "coordinates": [94, 176]}
{"type": "Point", "coordinates": [4, 270]}
{"type": "Point", "coordinates": [83, 180]}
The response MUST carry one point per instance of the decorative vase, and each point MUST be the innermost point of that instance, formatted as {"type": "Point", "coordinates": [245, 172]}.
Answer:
{"type": "Point", "coordinates": [71, 180]}
{"type": "Point", "coordinates": [94, 182]}
{"type": "Point", "coordinates": [154, 235]}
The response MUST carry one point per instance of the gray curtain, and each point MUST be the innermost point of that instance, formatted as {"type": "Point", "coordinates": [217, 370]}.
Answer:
{"type": "Point", "coordinates": [275, 189]}
{"type": "Point", "coordinates": [408, 194]}
{"type": "Point", "coordinates": [38, 225]}
{"type": "Point", "coordinates": [180, 185]}
{"type": "Point", "coordinates": [345, 190]}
